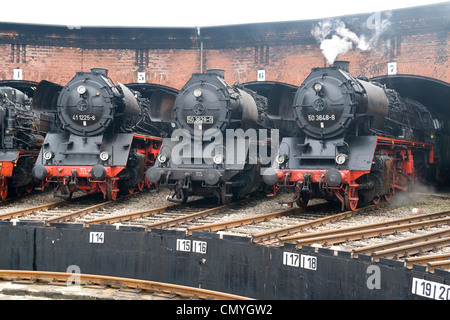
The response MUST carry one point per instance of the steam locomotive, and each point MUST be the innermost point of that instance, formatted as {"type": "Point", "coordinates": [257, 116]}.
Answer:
{"type": "Point", "coordinates": [361, 141]}
{"type": "Point", "coordinates": [21, 140]}
{"type": "Point", "coordinates": [102, 140]}
{"type": "Point", "coordinates": [214, 149]}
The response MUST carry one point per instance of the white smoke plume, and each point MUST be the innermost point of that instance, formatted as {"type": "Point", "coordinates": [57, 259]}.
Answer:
{"type": "Point", "coordinates": [335, 38]}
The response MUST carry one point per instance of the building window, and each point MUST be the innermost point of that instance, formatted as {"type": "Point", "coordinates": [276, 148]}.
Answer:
{"type": "Point", "coordinates": [18, 53]}
{"type": "Point", "coordinates": [141, 58]}
{"type": "Point", "coordinates": [261, 54]}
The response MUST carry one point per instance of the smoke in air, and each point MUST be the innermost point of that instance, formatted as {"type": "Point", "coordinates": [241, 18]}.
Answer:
{"type": "Point", "coordinates": [335, 38]}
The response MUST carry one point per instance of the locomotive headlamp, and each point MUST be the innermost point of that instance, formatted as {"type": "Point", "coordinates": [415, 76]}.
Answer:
{"type": "Point", "coordinates": [162, 158]}
{"type": "Point", "coordinates": [81, 89]}
{"type": "Point", "coordinates": [198, 93]}
{"type": "Point", "coordinates": [281, 158]}
{"type": "Point", "coordinates": [317, 87]}
{"type": "Point", "coordinates": [104, 156]}
{"type": "Point", "coordinates": [47, 155]}
{"type": "Point", "coordinates": [218, 159]}
{"type": "Point", "coordinates": [341, 158]}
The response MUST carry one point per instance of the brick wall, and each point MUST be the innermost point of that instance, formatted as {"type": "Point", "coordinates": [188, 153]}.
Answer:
{"type": "Point", "coordinates": [418, 40]}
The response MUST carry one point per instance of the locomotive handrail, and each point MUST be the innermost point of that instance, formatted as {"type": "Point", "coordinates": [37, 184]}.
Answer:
{"type": "Point", "coordinates": [404, 142]}
{"type": "Point", "coordinates": [80, 152]}
{"type": "Point", "coordinates": [313, 157]}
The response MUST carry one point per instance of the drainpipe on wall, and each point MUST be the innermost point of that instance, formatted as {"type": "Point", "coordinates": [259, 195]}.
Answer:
{"type": "Point", "coordinates": [201, 49]}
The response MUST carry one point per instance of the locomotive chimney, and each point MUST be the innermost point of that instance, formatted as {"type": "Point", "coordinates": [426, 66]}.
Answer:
{"type": "Point", "coordinates": [218, 72]}
{"type": "Point", "coordinates": [102, 71]}
{"type": "Point", "coordinates": [343, 65]}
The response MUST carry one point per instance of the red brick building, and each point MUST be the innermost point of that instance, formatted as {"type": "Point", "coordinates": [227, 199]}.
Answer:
{"type": "Point", "coordinates": [413, 42]}
{"type": "Point", "coordinates": [415, 38]}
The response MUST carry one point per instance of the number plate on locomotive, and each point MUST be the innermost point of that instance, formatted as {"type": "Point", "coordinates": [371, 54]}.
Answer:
{"type": "Point", "coordinates": [83, 117]}
{"type": "Point", "coordinates": [321, 117]}
{"type": "Point", "coordinates": [200, 119]}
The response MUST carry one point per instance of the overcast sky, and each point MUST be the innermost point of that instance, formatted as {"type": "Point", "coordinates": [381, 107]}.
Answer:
{"type": "Point", "coordinates": [187, 13]}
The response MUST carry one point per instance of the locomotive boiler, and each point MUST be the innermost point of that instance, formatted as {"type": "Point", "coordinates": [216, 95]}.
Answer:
{"type": "Point", "coordinates": [212, 149]}
{"type": "Point", "coordinates": [362, 141]}
{"type": "Point", "coordinates": [103, 140]}
{"type": "Point", "coordinates": [21, 140]}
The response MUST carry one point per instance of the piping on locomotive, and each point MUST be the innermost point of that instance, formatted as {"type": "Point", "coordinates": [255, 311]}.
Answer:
{"type": "Point", "coordinates": [208, 114]}
{"type": "Point", "coordinates": [21, 139]}
{"type": "Point", "coordinates": [102, 141]}
{"type": "Point", "coordinates": [361, 142]}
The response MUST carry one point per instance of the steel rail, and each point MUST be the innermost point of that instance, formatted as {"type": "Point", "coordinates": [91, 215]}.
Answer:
{"type": "Point", "coordinates": [412, 249]}
{"type": "Point", "coordinates": [70, 216]}
{"type": "Point", "coordinates": [426, 259]}
{"type": "Point", "coordinates": [371, 233]}
{"type": "Point", "coordinates": [411, 219]}
{"type": "Point", "coordinates": [188, 218]}
{"type": "Point", "coordinates": [23, 212]}
{"type": "Point", "coordinates": [443, 264]}
{"type": "Point", "coordinates": [61, 218]}
{"type": "Point", "coordinates": [104, 281]}
{"type": "Point", "coordinates": [402, 242]}
{"type": "Point", "coordinates": [225, 225]}
{"type": "Point", "coordinates": [132, 215]}
{"type": "Point", "coordinates": [278, 233]}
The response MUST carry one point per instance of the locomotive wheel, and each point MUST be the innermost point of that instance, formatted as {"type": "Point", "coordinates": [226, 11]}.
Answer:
{"type": "Point", "coordinates": [388, 196]}
{"type": "Point", "coordinates": [29, 187]}
{"type": "Point", "coordinates": [376, 200]}
{"type": "Point", "coordinates": [3, 188]}
{"type": "Point", "coordinates": [141, 185]}
{"type": "Point", "coordinates": [148, 185]}
{"type": "Point", "coordinates": [18, 191]}
{"type": "Point", "coordinates": [351, 198]}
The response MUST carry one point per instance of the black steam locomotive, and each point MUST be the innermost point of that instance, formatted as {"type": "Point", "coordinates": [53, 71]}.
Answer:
{"type": "Point", "coordinates": [21, 140]}
{"type": "Point", "coordinates": [102, 140]}
{"type": "Point", "coordinates": [214, 147]}
{"type": "Point", "coordinates": [361, 141]}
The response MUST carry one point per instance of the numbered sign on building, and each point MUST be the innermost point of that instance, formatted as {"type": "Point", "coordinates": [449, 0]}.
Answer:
{"type": "Point", "coordinates": [392, 68]}
{"type": "Point", "coordinates": [17, 74]}
{"type": "Point", "coordinates": [261, 75]}
{"type": "Point", "coordinates": [141, 77]}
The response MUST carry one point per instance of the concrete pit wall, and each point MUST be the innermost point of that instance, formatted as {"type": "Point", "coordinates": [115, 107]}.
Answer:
{"type": "Point", "coordinates": [231, 264]}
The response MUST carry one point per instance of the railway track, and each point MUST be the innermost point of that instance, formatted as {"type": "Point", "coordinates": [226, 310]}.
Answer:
{"type": "Point", "coordinates": [162, 217]}
{"type": "Point", "coordinates": [265, 224]}
{"type": "Point", "coordinates": [163, 290]}
{"type": "Point", "coordinates": [435, 236]}
{"type": "Point", "coordinates": [70, 211]}
{"type": "Point", "coordinates": [58, 211]}
{"type": "Point", "coordinates": [332, 237]}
